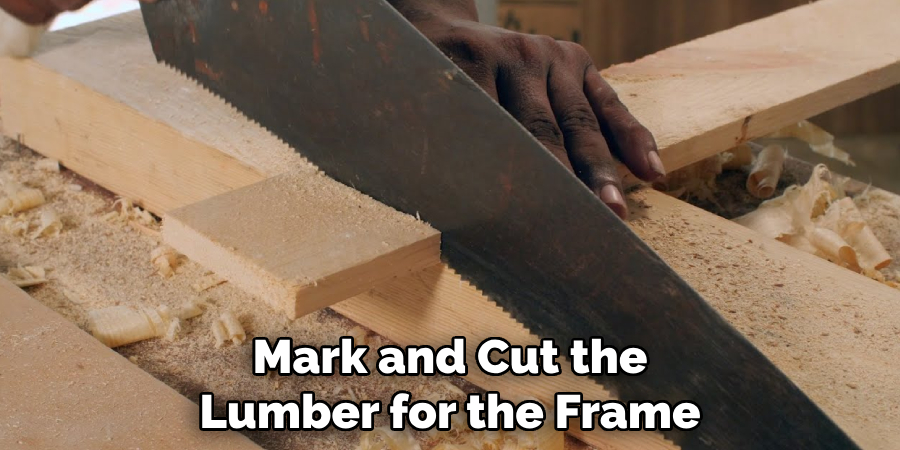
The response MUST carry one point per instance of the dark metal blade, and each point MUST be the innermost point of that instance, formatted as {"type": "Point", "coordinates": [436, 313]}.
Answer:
{"type": "Point", "coordinates": [359, 92]}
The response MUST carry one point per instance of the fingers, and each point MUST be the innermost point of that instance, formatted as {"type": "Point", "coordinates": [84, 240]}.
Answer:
{"type": "Point", "coordinates": [586, 146]}
{"type": "Point", "coordinates": [630, 141]}
{"type": "Point", "coordinates": [481, 75]}
{"type": "Point", "coordinates": [523, 92]}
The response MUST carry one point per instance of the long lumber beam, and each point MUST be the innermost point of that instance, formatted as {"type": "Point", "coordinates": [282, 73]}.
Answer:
{"type": "Point", "coordinates": [61, 388]}
{"type": "Point", "coordinates": [57, 130]}
{"type": "Point", "coordinates": [707, 95]}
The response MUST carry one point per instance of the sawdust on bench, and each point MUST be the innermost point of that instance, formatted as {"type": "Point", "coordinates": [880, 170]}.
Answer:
{"type": "Point", "coordinates": [96, 263]}
{"type": "Point", "coordinates": [825, 343]}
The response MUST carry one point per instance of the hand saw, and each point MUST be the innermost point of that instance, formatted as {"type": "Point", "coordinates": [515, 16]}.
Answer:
{"type": "Point", "coordinates": [358, 91]}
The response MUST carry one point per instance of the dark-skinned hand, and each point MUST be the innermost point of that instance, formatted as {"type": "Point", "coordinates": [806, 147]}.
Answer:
{"type": "Point", "coordinates": [551, 87]}
{"type": "Point", "coordinates": [37, 12]}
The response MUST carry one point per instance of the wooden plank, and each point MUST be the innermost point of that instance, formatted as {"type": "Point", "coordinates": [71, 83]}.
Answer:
{"type": "Point", "coordinates": [95, 99]}
{"type": "Point", "coordinates": [301, 244]}
{"type": "Point", "coordinates": [831, 330]}
{"type": "Point", "coordinates": [707, 95]}
{"type": "Point", "coordinates": [432, 301]}
{"type": "Point", "coordinates": [117, 119]}
{"type": "Point", "coordinates": [60, 388]}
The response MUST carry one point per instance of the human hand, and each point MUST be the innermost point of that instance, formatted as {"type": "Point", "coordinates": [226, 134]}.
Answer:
{"type": "Point", "coordinates": [552, 88]}
{"type": "Point", "coordinates": [39, 12]}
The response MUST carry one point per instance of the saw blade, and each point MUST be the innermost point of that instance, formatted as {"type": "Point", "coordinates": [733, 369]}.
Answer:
{"type": "Point", "coordinates": [358, 91]}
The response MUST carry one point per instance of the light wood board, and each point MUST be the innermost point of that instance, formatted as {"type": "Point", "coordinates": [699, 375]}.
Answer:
{"type": "Point", "coordinates": [300, 245]}
{"type": "Point", "coordinates": [61, 389]}
{"type": "Point", "coordinates": [424, 292]}
{"type": "Point", "coordinates": [111, 113]}
{"type": "Point", "coordinates": [707, 95]}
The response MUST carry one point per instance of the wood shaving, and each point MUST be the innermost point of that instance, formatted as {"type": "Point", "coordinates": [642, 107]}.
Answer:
{"type": "Point", "coordinates": [19, 199]}
{"type": "Point", "coordinates": [228, 328]}
{"type": "Point", "coordinates": [14, 225]}
{"type": "Point", "coordinates": [126, 211]}
{"type": "Point", "coordinates": [819, 140]}
{"type": "Point", "coordinates": [844, 218]}
{"type": "Point", "coordinates": [220, 334]}
{"type": "Point", "coordinates": [27, 276]}
{"type": "Point", "coordinates": [50, 225]}
{"type": "Point", "coordinates": [165, 259]}
{"type": "Point", "coordinates": [818, 219]}
{"type": "Point", "coordinates": [833, 247]}
{"type": "Point", "coordinates": [738, 157]}
{"type": "Point", "coordinates": [173, 330]}
{"type": "Point", "coordinates": [116, 326]}
{"type": "Point", "coordinates": [189, 310]}
{"type": "Point", "coordinates": [47, 165]}
{"type": "Point", "coordinates": [208, 282]}
{"type": "Point", "coordinates": [122, 325]}
{"type": "Point", "coordinates": [791, 213]}
{"type": "Point", "coordinates": [695, 181]}
{"type": "Point", "coordinates": [766, 171]}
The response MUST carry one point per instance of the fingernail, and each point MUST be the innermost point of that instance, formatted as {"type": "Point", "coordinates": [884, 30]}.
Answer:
{"type": "Point", "coordinates": [656, 164]}
{"type": "Point", "coordinates": [614, 199]}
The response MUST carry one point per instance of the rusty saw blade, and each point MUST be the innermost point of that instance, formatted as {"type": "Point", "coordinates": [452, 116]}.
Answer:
{"type": "Point", "coordinates": [357, 90]}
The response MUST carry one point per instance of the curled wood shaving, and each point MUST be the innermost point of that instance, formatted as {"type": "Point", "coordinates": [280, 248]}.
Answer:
{"type": "Point", "coordinates": [220, 334]}
{"type": "Point", "coordinates": [122, 325]}
{"type": "Point", "coordinates": [27, 276]}
{"type": "Point", "coordinates": [738, 157]}
{"type": "Point", "coordinates": [189, 310]}
{"type": "Point", "coordinates": [14, 225]}
{"type": "Point", "coordinates": [47, 165]}
{"type": "Point", "coordinates": [50, 225]}
{"type": "Point", "coordinates": [173, 330]}
{"type": "Point", "coordinates": [819, 140]}
{"type": "Point", "coordinates": [695, 181]}
{"type": "Point", "coordinates": [228, 328]}
{"type": "Point", "coordinates": [791, 213]}
{"type": "Point", "coordinates": [21, 199]}
{"type": "Point", "coordinates": [766, 171]}
{"type": "Point", "coordinates": [832, 246]}
{"type": "Point", "coordinates": [207, 282]}
{"type": "Point", "coordinates": [844, 218]}
{"type": "Point", "coordinates": [165, 259]}
{"type": "Point", "coordinates": [818, 219]}
{"type": "Point", "coordinates": [126, 211]}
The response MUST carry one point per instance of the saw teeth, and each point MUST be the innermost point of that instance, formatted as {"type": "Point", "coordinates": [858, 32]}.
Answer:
{"type": "Point", "coordinates": [505, 305]}
{"type": "Point", "coordinates": [199, 83]}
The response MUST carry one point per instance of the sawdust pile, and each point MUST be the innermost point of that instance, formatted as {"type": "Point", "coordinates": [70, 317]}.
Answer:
{"type": "Point", "coordinates": [834, 339]}
{"type": "Point", "coordinates": [101, 258]}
